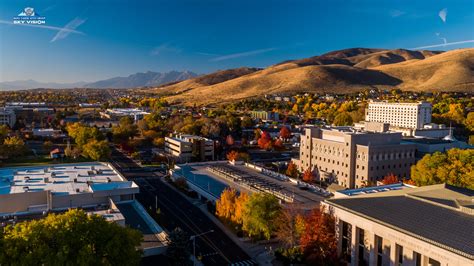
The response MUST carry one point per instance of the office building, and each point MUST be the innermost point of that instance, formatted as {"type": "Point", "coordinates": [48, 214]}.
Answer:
{"type": "Point", "coordinates": [188, 148]}
{"type": "Point", "coordinates": [418, 226]}
{"type": "Point", "coordinates": [354, 159]}
{"type": "Point", "coordinates": [31, 113]}
{"type": "Point", "coordinates": [404, 115]}
{"type": "Point", "coordinates": [97, 188]}
{"type": "Point", "coordinates": [117, 113]}
{"type": "Point", "coordinates": [265, 115]}
{"type": "Point", "coordinates": [7, 117]}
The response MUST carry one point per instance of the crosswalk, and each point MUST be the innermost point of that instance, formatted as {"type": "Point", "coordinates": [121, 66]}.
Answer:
{"type": "Point", "coordinates": [244, 263]}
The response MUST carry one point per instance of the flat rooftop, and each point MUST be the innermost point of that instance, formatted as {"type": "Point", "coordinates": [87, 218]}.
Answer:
{"type": "Point", "coordinates": [426, 141]}
{"type": "Point", "coordinates": [187, 138]}
{"type": "Point", "coordinates": [126, 111]}
{"type": "Point", "coordinates": [371, 190]}
{"type": "Point", "coordinates": [61, 178]}
{"type": "Point", "coordinates": [202, 176]}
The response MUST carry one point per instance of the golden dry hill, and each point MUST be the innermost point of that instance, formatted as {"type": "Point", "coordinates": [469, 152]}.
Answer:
{"type": "Point", "coordinates": [340, 71]}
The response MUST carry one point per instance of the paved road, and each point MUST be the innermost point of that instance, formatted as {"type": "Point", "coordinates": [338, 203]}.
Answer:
{"type": "Point", "coordinates": [215, 248]}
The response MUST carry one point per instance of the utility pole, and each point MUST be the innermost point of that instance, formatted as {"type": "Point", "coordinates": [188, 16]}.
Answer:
{"type": "Point", "coordinates": [193, 238]}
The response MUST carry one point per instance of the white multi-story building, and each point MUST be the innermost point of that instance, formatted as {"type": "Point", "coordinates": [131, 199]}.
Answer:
{"type": "Point", "coordinates": [7, 117]}
{"type": "Point", "coordinates": [405, 115]}
{"type": "Point", "coordinates": [95, 187]}
{"type": "Point", "coordinates": [189, 148]}
{"type": "Point", "coordinates": [420, 226]}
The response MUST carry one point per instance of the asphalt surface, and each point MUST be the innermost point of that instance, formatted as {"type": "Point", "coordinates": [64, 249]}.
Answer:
{"type": "Point", "coordinates": [215, 248]}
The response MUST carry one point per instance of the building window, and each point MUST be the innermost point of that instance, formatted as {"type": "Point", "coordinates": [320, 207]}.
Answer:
{"type": "Point", "coordinates": [399, 250]}
{"type": "Point", "coordinates": [432, 262]}
{"type": "Point", "coordinates": [417, 258]}
{"type": "Point", "coordinates": [362, 261]}
{"type": "Point", "coordinates": [379, 250]}
{"type": "Point", "coordinates": [346, 240]}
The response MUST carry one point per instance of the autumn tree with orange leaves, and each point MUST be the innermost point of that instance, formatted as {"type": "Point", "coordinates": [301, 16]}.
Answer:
{"type": "Point", "coordinates": [278, 144]}
{"type": "Point", "coordinates": [285, 133]}
{"type": "Point", "coordinates": [318, 241]}
{"type": "Point", "coordinates": [239, 205]}
{"type": "Point", "coordinates": [292, 171]}
{"type": "Point", "coordinates": [238, 156]}
{"type": "Point", "coordinates": [308, 176]}
{"type": "Point", "coordinates": [230, 206]}
{"type": "Point", "coordinates": [229, 140]}
{"type": "Point", "coordinates": [265, 141]}
{"type": "Point", "coordinates": [225, 205]}
{"type": "Point", "coordinates": [233, 156]}
{"type": "Point", "coordinates": [390, 179]}
{"type": "Point", "coordinates": [290, 226]}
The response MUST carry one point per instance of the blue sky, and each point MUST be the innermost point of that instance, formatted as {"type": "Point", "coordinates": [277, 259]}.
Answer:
{"type": "Point", "coordinates": [92, 40]}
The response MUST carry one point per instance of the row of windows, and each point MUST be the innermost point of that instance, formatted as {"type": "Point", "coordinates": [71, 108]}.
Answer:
{"type": "Point", "coordinates": [400, 166]}
{"type": "Point", "coordinates": [391, 155]}
{"type": "Point", "coordinates": [329, 161]}
{"type": "Point", "coordinates": [382, 252]}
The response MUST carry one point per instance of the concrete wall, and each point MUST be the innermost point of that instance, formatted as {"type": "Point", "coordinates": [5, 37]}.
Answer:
{"type": "Point", "coordinates": [77, 200]}
{"type": "Point", "coordinates": [20, 202]}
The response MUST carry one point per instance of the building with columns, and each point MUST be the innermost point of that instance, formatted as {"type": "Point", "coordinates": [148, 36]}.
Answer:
{"type": "Point", "coordinates": [420, 226]}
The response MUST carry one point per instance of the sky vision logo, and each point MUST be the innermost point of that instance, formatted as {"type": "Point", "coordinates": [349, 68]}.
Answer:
{"type": "Point", "coordinates": [29, 16]}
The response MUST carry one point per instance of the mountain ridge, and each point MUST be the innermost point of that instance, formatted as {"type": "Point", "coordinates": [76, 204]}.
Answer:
{"type": "Point", "coordinates": [342, 71]}
{"type": "Point", "coordinates": [139, 79]}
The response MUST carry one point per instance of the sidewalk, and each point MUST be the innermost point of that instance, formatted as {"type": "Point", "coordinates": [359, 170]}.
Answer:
{"type": "Point", "coordinates": [257, 252]}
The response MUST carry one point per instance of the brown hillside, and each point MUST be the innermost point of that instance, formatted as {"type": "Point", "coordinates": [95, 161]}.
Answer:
{"type": "Point", "coordinates": [361, 68]}
{"type": "Point", "coordinates": [390, 57]}
{"type": "Point", "coordinates": [224, 75]}
{"type": "Point", "coordinates": [449, 71]}
{"type": "Point", "coordinates": [334, 78]}
{"type": "Point", "coordinates": [364, 57]}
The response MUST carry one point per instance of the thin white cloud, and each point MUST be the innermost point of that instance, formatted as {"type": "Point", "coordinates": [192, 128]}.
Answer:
{"type": "Point", "coordinates": [443, 14]}
{"type": "Point", "coordinates": [207, 54]}
{"type": "Point", "coordinates": [42, 27]}
{"type": "Point", "coordinates": [243, 54]}
{"type": "Point", "coordinates": [66, 30]}
{"type": "Point", "coordinates": [443, 44]}
{"type": "Point", "coordinates": [396, 13]}
{"type": "Point", "coordinates": [165, 48]}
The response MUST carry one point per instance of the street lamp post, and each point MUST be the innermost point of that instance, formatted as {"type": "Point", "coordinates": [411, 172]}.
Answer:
{"type": "Point", "coordinates": [193, 238]}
